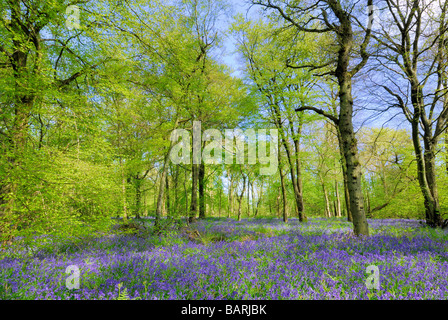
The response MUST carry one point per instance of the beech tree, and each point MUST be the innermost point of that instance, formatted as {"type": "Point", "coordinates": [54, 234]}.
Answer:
{"type": "Point", "coordinates": [414, 56]}
{"type": "Point", "coordinates": [42, 69]}
{"type": "Point", "coordinates": [389, 169]}
{"type": "Point", "coordinates": [280, 89]}
{"type": "Point", "coordinates": [335, 18]}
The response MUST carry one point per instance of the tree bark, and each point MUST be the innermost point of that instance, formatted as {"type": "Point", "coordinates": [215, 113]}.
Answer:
{"type": "Point", "coordinates": [344, 175]}
{"type": "Point", "coordinates": [248, 197]}
{"type": "Point", "coordinates": [123, 190]}
{"type": "Point", "coordinates": [300, 207]}
{"type": "Point", "coordinates": [138, 197]}
{"type": "Point", "coordinates": [194, 193]}
{"type": "Point", "coordinates": [426, 173]}
{"type": "Point", "coordinates": [406, 55]}
{"type": "Point", "coordinates": [253, 197]}
{"type": "Point", "coordinates": [260, 196]}
{"type": "Point", "coordinates": [176, 194]}
{"type": "Point", "coordinates": [145, 207]}
{"type": "Point", "coordinates": [297, 192]}
{"type": "Point", "coordinates": [201, 178]}
{"type": "Point", "coordinates": [425, 158]}
{"type": "Point", "coordinates": [279, 196]}
{"type": "Point", "coordinates": [326, 200]}
{"type": "Point", "coordinates": [240, 198]}
{"type": "Point", "coordinates": [350, 149]}
{"type": "Point", "coordinates": [186, 195]}
{"type": "Point", "coordinates": [220, 200]}
{"type": "Point", "coordinates": [168, 205]}
{"type": "Point", "coordinates": [162, 187]}
{"type": "Point", "coordinates": [446, 150]}
{"type": "Point", "coordinates": [345, 124]}
{"type": "Point", "coordinates": [367, 203]}
{"type": "Point", "coordinates": [231, 196]}
{"type": "Point", "coordinates": [163, 182]}
{"type": "Point", "coordinates": [338, 200]}
{"type": "Point", "coordinates": [282, 182]}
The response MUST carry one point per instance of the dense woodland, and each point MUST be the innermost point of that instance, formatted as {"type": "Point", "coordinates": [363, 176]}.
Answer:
{"type": "Point", "coordinates": [90, 92]}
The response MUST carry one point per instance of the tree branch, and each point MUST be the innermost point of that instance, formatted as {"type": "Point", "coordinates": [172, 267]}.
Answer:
{"type": "Point", "coordinates": [319, 111]}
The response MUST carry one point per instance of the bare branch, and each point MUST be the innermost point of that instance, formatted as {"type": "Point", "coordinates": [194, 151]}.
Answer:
{"type": "Point", "coordinates": [319, 111]}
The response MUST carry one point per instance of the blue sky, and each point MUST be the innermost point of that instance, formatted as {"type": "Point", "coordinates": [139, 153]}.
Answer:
{"type": "Point", "coordinates": [231, 58]}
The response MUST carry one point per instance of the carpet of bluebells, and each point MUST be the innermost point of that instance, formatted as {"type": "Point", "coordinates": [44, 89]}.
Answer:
{"type": "Point", "coordinates": [250, 259]}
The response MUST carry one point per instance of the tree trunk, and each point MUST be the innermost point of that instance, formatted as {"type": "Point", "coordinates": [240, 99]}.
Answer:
{"type": "Point", "coordinates": [201, 177]}
{"type": "Point", "coordinates": [430, 164]}
{"type": "Point", "coordinates": [194, 193]}
{"type": "Point", "coordinates": [338, 200]}
{"type": "Point", "coordinates": [186, 195]}
{"type": "Point", "coordinates": [446, 149]}
{"type": "Point", "coordinates": [425, 161]}
{"type": "Point", "coordinates": [248, 197]}
{"type": "Point", "coordinates": [327, 209]}
{"type": "Point", "coordinates": [123, 190]}
{"type": "Point", "coordinates": [335, 210]}
{"type": "Point", "coordinates": [230, 212]}
{"type": "Point", "coordinates": [260, 196]}
{"type": "Point", "coordinates": [240, 198]}
{"type": "Point", "coordinates": [168, 206]}
{"type": "Point", "coordinates": [253, 198]}
{"type": "Point", "coordinates": [279, 202]}
{"type": "Point", "coordinates": [176, 195]}
{"type": "Point", "coordinates": [349, 142]}
{"type": "Point", "coordinates": [353, 173]}
{"type": "Point", "coordinates": [327, 202]}
{"type": "Point", "coordinates": [353, 166]}
{"type": "Point", "coordinates": [282, 181]}
{"type": "Point", "coordinates": [300, 207]}
{"type": "Point", "coordinates": [138, 196]}
{"type": "Point", "coordinates": [163, 182]}
{"type": "Point", "coordinates": [220, 199]}
{"type": "Point", "coordinates": [162, 186]}
{"type": "Point", "coordinates": [344, 175]}
{"type": "Point", "coordinates": [368, 203]}
{"type": "Point", "coordinates": [297, 193]}
{"type": "Point", "coordinates": [145, 207]}
{"type": "Point", "coordinates": [347, 201]}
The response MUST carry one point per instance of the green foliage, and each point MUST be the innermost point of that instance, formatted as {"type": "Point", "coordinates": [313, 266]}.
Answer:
{"type": "Point", "coordinates": [85, 122]}
{"type": "Point", "coordinates": [130, 227]}
{"type": "Point", "coordinates": [123, 295]}
{"type": "Point", "coordinates": [169, 225]}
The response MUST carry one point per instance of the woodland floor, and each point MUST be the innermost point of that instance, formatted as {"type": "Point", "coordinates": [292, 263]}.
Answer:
{"type": "Point", "coordinates": [226, 259]}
